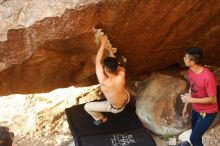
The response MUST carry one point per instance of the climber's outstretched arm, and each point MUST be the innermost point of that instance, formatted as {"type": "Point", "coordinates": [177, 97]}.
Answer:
{"type": "Point", "coordinates": [99, 67]}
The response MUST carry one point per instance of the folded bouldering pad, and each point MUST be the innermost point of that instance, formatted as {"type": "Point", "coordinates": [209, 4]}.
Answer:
{"type": "Point", "coordinates": [122, 129]}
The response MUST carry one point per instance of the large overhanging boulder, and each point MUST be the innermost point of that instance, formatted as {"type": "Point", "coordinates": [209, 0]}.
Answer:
{"type": "Point", "coordinates": [50, 44]}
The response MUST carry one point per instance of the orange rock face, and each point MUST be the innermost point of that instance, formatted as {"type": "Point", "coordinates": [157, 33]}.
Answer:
{"type": "Point", "coordinates": [59, 51]}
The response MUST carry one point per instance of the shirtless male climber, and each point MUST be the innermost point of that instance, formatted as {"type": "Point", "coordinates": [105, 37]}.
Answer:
{"type": "Point", "coordinates": [112, 81]}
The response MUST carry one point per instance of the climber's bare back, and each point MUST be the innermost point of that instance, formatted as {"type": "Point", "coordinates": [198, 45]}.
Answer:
{"type": "Point", "coordinates": [114, 89]}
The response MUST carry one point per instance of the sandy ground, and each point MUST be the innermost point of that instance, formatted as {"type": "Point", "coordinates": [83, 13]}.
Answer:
{"type": "Point", "coordinates": [39, 119]}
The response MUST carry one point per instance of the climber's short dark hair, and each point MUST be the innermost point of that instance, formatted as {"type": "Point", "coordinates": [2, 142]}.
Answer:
{"type": "Point", "coordinates": [111, 64]}
{"type": "Point", "coordinates": [196, 54]}
{"type": "Point", "coordinates": [5, 136]}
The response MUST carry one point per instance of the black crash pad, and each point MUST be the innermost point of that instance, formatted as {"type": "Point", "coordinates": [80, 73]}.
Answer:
{"type": "Point", "coordinates": [122, 129]}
